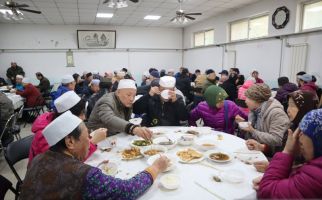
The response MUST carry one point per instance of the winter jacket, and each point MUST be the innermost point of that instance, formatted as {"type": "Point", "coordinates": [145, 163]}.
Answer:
{"type": "Point", "coordinates": [281, 182]}
{"type": "Point", "coordinates": [230, 87]}
{"type": "Point", "coordinates": [258, 80]}
{"type": "Point", "coordinates": [208, 83]}
{"type": "Point", "coordinates": [109, 113]}
{"type": "Point", "coordinates": [39, 143]}
{"type": "Point", "coordinates": [270, 125]}
{"type": "Point", "coordinates": [32, 95]}
{"type": "Point", "coordinates": [214, 117]}
{"type": "Point", "coordinates": [13, 72]}
{"type": "Point", "coordinates": [92, 101]}
{"type": "Point", "coordinates": [184, 85]}
{"type": "Point", "coordinates": [54, 95]}
{"type": "Point", "coordinates": [160, 113]}
{"type": "Point", "coordinates": [44, 85]}
{"type": "Point", "coordinates": [6, 109]}
{"type": "Point", "coordinates": [243, 89]}
{"type": "Point", "coordinates": [282, 93]}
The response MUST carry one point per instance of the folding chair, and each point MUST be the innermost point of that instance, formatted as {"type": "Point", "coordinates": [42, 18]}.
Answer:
{"type": "Point", "coordinates": [6, 129]}
{"type": "Point", "coordinates": [34, 112]}
{"type": "Point", "coordinates": [15, 152]}
{"type": "Point", "coordinates": [5, 186]}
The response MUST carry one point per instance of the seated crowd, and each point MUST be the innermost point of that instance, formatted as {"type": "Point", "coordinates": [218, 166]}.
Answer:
{"type": "Point", "coordinates": [286, 127]}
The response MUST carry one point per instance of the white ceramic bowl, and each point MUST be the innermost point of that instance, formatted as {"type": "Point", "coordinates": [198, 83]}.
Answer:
{"type": "Point", "coordinates": [206, 145]}
{"type": "Point", "coordinates": [156, 147]}
{"type": "Point", "coordinates": [165, 94]}
{"type": "Point", "coordinates": [170, 181]}
{"type": "Point", "coordinates": [243, 124]}
{"type": "Point", "coordinates": [161, 139]}
{"type": "Point", "coordinates": [109, 168]}
{"type": "Point", "coordinates": [186, 139]}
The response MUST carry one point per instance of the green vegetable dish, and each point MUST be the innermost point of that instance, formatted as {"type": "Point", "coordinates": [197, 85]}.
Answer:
{"type": "Point", "coordinates": [141, 143]}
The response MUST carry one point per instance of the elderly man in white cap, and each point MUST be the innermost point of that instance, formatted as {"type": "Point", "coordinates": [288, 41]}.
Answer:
{"type": "Point", "coordinates": [31, 93]}
{"type": "Point", "coordinates": [92, 89]}
{"type": "Point", "coordinates": [162, 106]}
{"type": "Point", "coordinates": [60, 173]}
{"type": "Point", "coordinates": [113, 111]}
{"type": "Point", "coordinates": [68, 101]}
{"type": "Point", "coordinates": [67, 84]}
{"type": "Point", "coordinates": [18, 85]}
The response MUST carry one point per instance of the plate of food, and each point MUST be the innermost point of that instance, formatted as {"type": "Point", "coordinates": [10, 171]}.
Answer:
{"type": "Point", "coordinates": [219, 156]}
{"type": "Point", "coordinates": [140, 143]}
{"type": "Point", "coordinates": [170, 181]}
{"type": "Point", "coordinates": [157, 132]}
{"type": "Point", "coordinates": [206, 145]}
{"type": "Point", "coordinates": [186, 139]}
{"type": "Point", "coordinates": [109, 168]}
{"type": "Point", "coordinates": [131, 154]}
{"type": "Point", "coordinates": [172, 165]}
{"type": "Point", "coordinates": [165, 141]}
{"type": "Point", "coordinates": [153, 150]}
{"type": "Point", "coordinates": [190, 156]}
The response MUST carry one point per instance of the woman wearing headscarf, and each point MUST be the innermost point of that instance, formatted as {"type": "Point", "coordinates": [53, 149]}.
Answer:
{"type": "Point", "coordinates": [300, 103]}
{"type": "Point", "coordinates": [215, 111]}
{"type": "Point", "coordinates": [59, 173]}
{"type": "Point", "coordinates": [268, 121]}
{"type": "Point", "coordinates": [281, 180]}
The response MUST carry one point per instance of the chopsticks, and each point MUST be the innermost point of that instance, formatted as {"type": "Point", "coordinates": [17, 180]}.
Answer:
{"type": "Point", "coordinates": [208, 165]}
{"type": "Point", "coordinates": [211, 192]}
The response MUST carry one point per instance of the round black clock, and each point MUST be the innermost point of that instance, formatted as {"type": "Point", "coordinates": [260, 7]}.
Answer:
{"type": "Point", "coordinates": [281, 17]}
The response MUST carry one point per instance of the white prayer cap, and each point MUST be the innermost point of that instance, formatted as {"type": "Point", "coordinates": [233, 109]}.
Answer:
{"type": "Point", "coordinates": [19, 76]}
{"type": "Point", "coordinates": [167, 82]}
{"type": "Point", "coordinates": [170, 70]}
{"type": "Point", "coordinates": [126, 84]}
{"type": "Point", "coordinates": [25, 80]}
{"type": "Point", "coordinates": [61, 127]}
{"type": "Point", "coordinates": [67, 79]}
{"type": "Point", "coordinates": [95, 72]}
{"type": "Point", "coordinates": [146, 74]}
{"type": "Point", "coordinates": [95, 82]}
{"type": "Point", "coordinates": [66, 101]}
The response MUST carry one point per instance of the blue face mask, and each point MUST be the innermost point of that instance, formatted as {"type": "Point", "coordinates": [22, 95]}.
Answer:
{"type": "Point", "coordinates": [311, 125]}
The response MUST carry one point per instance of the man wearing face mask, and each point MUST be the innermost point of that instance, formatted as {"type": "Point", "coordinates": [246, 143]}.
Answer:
{"type": "Point", "coordinates": [162, 106]}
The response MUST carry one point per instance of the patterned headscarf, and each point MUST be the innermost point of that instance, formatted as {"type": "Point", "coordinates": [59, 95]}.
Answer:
{"type": "Point", "coordinates": [214, 95]}
{"type": "Point", "coordinates": [259, 92]}
{"type": "Point", "coordinates": [305, 102]}
{"type": "Point", "coordinates": [311, 125]}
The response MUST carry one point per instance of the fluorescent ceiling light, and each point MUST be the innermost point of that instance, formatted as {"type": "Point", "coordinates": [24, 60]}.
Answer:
{"type": "Point", "coordinates": [315, 9]}
{"type": "Point", "coordinates": [104, 15]}
{"type": "Point", "coordinates": [152, 17]}
{"type": "Point", "coordinates": [4, 11]}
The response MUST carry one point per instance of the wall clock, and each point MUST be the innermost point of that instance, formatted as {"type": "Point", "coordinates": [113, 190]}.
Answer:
{"type": "Point", "coordinates": [281, 17]}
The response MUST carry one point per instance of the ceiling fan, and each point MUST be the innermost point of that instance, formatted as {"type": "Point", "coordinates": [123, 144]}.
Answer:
{"type": "Point", "coordinates": [15, 7]}
{"type": "Point", "coordinates": [181, 16]}
{"type": "Point", "coordinates": [118, 3]}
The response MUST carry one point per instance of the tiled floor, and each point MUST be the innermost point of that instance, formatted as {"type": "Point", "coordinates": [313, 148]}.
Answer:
{"type": "Point", "coordinates": [20, 166]}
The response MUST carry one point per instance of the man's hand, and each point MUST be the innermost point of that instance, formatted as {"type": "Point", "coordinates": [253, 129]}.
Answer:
{"type": "Point", "coordinates": [143, 132]}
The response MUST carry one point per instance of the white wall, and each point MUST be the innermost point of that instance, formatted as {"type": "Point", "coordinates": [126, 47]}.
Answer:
{"type": "Point", "coordinates": [43, 47]}
{"type": "Point", "coordinates": [264, 55]}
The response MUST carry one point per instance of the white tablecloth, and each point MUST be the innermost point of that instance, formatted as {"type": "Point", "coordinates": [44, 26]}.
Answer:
{"type": "Point", "coordinates": [188, 173]}
{"type": "Point", "coordinates": [17, 100]}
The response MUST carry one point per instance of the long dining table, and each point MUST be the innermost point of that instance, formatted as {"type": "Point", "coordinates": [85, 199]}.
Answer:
{"type": "Point", "coordinates": [196, 180]}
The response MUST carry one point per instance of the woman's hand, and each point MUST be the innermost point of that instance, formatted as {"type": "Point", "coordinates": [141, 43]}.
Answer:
{"type": "Point", "coordinates": [254, 145]}
{"type": "Point", "coordinates": [98, 135]}
{"type": "Point", "coordinates": [238, 119]}
{"type": "Point", "coordinates": [261, 166]}
{"type": "Point", "coordinates": [249, 129]}
{"type": "Point", "coordinates": [256, 182]}
{"type": "Point", "coordinates": [161, 164]}
{"type": "Point", "coordinates": [292, 144]}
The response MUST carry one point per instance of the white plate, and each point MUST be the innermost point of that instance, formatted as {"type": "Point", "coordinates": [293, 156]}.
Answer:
{"type": "Point", "coordinates": [156, 141]}
{"type": "Point", "coordinates": [200, 130]}
{"type": "Point", "coordinates": [173, 160]}
{"type": "Point", "coordinates": [208, 153]}
{"type": "Point", "coordinates": [170, 181]}
{"type": "Point", "coordinates": [248, 156]}
{"type": "Point", "coordinates": [191, 161]}
{"type": "Point", "coordinates": [165, 94]}
{"type": "Point", "coordinates": [156, 147]}
{"type": "Point", "coordinates": [201, 144]}
{"type": "Point", "coordinates": [112, 168]}
{"type": "Point", "coordinates": [133, 145]}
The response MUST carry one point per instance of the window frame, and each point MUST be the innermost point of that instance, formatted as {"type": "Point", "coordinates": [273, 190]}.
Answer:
{"type": "Point", "coordinates": [204, 37]}
{"type": "Point", "coordinates": [248, 19]}
{"type": "Point", "coordinates": [302, 7]}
